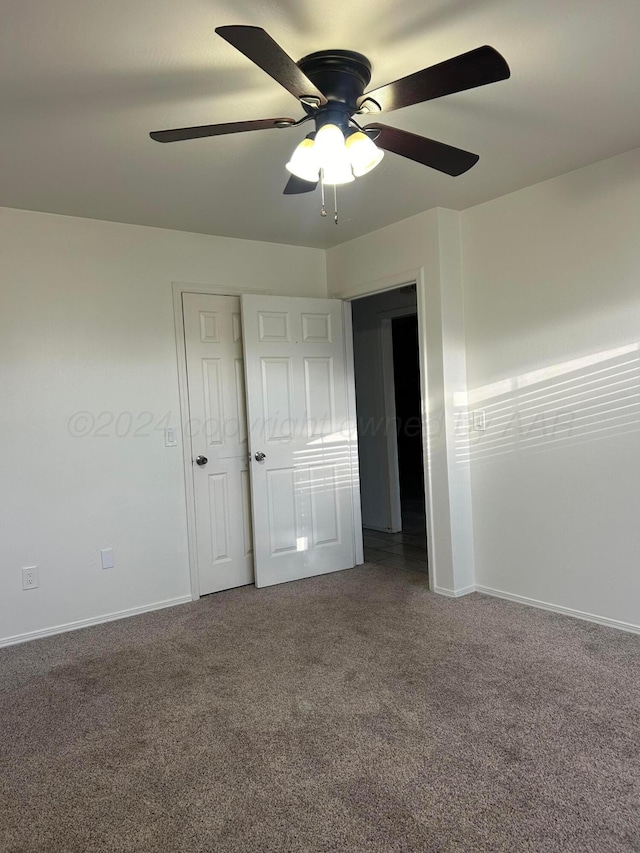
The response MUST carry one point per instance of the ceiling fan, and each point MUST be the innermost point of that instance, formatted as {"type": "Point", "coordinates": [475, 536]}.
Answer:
{"type": "Point", "coordinates": [330, 86]}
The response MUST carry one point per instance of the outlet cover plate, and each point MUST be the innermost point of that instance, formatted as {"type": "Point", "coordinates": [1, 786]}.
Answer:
{"type": "Point", "coordinates": [106, 558]}
{"type": "Point", "coordinates": [170, 437]}
{"type": "Point", "coordinates": [30, 577]}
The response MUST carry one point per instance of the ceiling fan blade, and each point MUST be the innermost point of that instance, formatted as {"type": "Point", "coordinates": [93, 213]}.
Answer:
{"type": "Point", "coordinates": [258, 46]}
{"type": "Point", "coordinates": [296, 185]}
{"type": "Point", "coordinates": [182, 133]}
{"type": "Point", "coordinates": [436, 155]}
{"type": "Point", "coordinates": [476, 68]}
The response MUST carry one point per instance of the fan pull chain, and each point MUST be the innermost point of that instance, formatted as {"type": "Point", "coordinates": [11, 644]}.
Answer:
{"type": "Point", "coordinates": [323, 209]}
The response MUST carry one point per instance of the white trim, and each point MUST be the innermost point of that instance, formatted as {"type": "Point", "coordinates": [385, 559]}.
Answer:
{"type": "Point", "coordinates": [421, 293]}
{"type": "Point", "coordinates": [556, 608]}
{"type": "Point", "coordinates": [95, 620]}
{"type": "Point", "coordinates": [358, 542]}
{"type": "Point", "coordinates": [183, 390]}
{"type": "Point", "coordinates": [391, 282]}
{"type": "Point", "coordinates": [454, 593]}
{"type": "Point", "coordinates": [216, 289]}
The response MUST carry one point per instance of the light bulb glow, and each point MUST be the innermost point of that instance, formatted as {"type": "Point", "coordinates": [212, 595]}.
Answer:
{"type": "Point", "coordinates": [338, 174]}
{"type": "Point", "coordinates": [364, 155]}
{"type": "Point", "coordinates": [332, 155]}
{"type": "Point", "coordinates": [338, 160]}
{"type": "Point", "coordinates": [304, 162]}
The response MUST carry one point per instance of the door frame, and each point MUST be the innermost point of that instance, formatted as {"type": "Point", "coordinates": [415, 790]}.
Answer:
{"type": "Point", "coordinates": [178, 289]}
{"type": "Point", "coordinates": [183, 390]}
{"type": "Point", "coordinates": [393, 282]}
{"type": "Point", "coordinates": [352, 430]}
{"type": "Point", "coordinates": [385, 332]}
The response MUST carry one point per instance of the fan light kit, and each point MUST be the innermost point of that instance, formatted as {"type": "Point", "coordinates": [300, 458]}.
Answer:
{"type": "Point", "coordinates": [337, 159]}
{"type": "Point", "coordinates": [330, 86]}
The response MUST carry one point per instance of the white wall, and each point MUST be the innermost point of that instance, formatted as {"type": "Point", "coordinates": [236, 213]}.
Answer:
{"type": "Point", "coordinates": [551, 326]}
{"type": "Point", "coordinates": [373, 423]}
{"type": "Point", "coordinates": [552, 310]}
{"type": "Point", "coordinates": [86, 325]}
{"type": "Point", "coordinates": [427, 246]}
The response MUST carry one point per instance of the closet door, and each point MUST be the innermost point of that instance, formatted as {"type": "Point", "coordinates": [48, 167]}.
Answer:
{"type": "Point", "coordinates": [299, 438]}
{"type": "Point", "coordinates": [218, 426]}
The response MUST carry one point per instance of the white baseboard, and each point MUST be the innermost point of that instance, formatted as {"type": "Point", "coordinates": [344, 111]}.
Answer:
{"type": "Point", "coordinates": [377, 529]}
{"type": "Point", "coordinates": [96, 620]}
{"type": "Point", "coordinates": [454, 593]}
{"type": "Point", "coordinates": [556, 608]}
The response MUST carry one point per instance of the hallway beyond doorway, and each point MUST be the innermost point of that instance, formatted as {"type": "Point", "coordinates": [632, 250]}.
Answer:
{"type": "Point", "coordinates": [405, 550]}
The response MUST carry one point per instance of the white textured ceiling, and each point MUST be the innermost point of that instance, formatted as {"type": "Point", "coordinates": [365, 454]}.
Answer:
{"type": "Point", "coordinates": [82, 82]}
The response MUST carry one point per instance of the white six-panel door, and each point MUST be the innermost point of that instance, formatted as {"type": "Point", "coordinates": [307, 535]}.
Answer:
{"type": "Point", "coordinates": [298, 427]}
{"type": "Point", "coordinates": [218, 428]}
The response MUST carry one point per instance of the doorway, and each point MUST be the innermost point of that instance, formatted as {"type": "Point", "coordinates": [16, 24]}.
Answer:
{"type": "Point", "coordinates": [389, 413]}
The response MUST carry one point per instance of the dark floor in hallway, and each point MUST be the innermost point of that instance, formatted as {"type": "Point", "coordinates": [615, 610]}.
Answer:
{"type": "Point", "coordinates": [405, 550]}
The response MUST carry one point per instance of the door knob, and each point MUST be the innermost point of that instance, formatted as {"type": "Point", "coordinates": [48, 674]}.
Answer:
{"type": "Point", "coordinates": [201, 460]}
{"type": "Point", "coordinates": [260, 457]}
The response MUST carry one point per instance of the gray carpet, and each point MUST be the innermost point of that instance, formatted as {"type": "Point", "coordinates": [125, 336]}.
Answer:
{"type": "Point", "coordinates": [352, 712]}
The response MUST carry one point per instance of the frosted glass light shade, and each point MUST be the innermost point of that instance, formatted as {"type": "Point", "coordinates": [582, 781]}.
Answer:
{"type": "Point", "coordinates": [332, 155]}
{"type": "Point", "coordinates": [338, 174]}
{"type": "Point", "coordinates": [363, 153]}
{"type": "Point", "coordinates": [304, 161]}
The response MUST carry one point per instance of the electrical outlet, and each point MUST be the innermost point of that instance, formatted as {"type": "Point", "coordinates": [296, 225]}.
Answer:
{"type": "Point", "coordinates": [30, 577]}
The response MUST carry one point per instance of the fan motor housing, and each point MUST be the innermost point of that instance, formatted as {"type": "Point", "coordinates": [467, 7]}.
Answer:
{"type": "Point", "coordinates": [341, 75]}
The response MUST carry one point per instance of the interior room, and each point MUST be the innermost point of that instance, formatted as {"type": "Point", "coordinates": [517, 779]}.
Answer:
{"type": "Point", "coordinates": [320, 407]}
